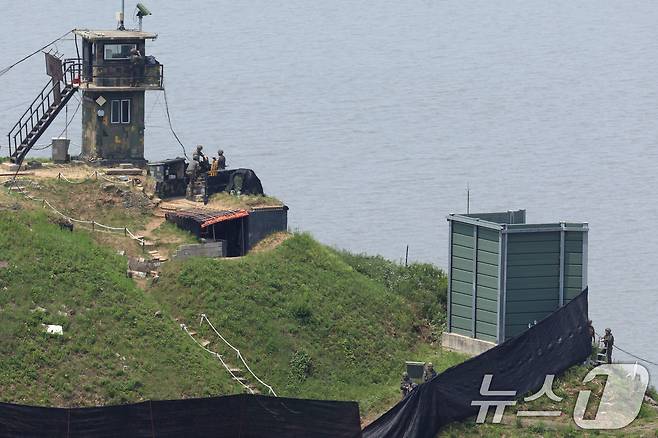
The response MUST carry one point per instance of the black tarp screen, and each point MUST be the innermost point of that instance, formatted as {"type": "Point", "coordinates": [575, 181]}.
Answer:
{"type": "Point", "coordinates": [556, 343]}
{"type": "Point", "coordinates": [238, 416]}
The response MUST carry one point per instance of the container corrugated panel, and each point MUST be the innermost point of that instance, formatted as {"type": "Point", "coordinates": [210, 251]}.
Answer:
{"type": "Point", "coordinates": [486, 314]}
{"type": "Point", "coordinates": [573, 265]}
{"type": "Point", "coordinates": [461, 279]}
{"type": "Point", "coordinates": [505, 276]}
{"type": "Point", "coordinates": [533, 279]}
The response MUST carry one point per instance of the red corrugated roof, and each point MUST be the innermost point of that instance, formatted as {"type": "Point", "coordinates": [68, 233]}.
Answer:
{"type": "Point", "coordinates": [205, 218]}
{"type": "Point", "coordinates": [227, 216]}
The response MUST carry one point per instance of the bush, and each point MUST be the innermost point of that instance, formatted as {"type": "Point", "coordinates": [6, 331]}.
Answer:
{"type": "Point", "coordinates": [301, 310]}
{"type": "Point", "coordinates": [422, 284]}
{"type": "Point", "coordinates": [301, 367]}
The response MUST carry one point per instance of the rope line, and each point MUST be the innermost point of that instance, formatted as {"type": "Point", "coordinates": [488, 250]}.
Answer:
{"type": "Point", "coordinates": [164, 90]}
{"type": "Point", "coordinates": [95, 226]}
{"type": "Point", "coordinates": [218, 356]}
{"type": "Point", "coordinates": [629, 353]}
{"type": "Point", "coordinates": [271, 390]}
{"type": "Point", "coordinates": [6, 69]}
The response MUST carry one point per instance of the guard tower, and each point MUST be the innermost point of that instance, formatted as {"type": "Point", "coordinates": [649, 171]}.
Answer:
{"type": "Point", "coordinates": [113, 81]}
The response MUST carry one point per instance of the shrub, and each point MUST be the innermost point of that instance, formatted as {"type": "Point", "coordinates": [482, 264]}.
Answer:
{"type": "Point", "coordinates": [301, 310]}
{"type": "Point", "coordinates": [301, 367]}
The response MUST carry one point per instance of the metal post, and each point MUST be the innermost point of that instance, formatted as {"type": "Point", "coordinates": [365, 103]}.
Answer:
{"type": "Point", "coordinates": [450, 276]}
{"type": "Point", "coordinates": [406, 257]}
{"type": "Point", "coordinates": [502, 293]}
{"type": "Point", "coordinates": [500, 286]}
{"type": "Point", "coordinates": [584, 262]}
{"type": "Point", "coordinates": [562, 238]}
{"type": "Point", "coordinates": [475, 280]}
{"type": "Point", "coordinates": [242, 233]}
{"type": "Point", "coordinates": [123, 15]}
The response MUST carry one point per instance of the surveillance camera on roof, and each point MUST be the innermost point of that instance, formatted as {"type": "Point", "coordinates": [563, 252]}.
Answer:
{"type": "Point", "coordinates": [143, 10]}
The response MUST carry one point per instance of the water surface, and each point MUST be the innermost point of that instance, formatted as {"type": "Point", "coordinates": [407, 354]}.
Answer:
{"type": "Point", "coordinates": [370, 118]}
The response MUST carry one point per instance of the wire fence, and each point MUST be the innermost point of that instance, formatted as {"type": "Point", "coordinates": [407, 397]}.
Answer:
{"type": "Point", "coordinates": [224, 364]}
{"type": "Point", "coordinates": [92, 224]}
{"type": "Point", "coordinates": [239, 355]}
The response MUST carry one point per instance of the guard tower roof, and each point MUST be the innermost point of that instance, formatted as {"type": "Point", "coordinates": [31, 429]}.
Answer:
{"type": "Point", "coordinates": [94, 35]}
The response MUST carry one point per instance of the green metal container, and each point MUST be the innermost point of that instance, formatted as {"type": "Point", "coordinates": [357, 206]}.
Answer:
{"type": "Point", "coordinates": [505, 275]}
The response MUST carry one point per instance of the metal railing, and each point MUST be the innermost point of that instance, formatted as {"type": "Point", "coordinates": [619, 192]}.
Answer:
{"type": "Point", "coordinates": [45, 103]}
{"type": "Point", "coordinates": [126, 75]}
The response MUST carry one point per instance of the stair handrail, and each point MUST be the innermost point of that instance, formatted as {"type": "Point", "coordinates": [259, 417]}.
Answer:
{"type": "Point", "coordinates": [70, 67]}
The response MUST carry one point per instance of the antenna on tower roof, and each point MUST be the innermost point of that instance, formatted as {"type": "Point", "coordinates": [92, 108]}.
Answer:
{"type": "Point", "coordinates": [121, 15]}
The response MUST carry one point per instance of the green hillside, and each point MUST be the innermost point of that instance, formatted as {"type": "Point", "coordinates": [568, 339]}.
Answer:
{"type": "Point", "coordinates": [307, 321]}
{"type": "Point", "coordinates": [114, 349]}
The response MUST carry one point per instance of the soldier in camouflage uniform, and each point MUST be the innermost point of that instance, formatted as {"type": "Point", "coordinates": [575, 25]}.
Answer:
{"type": "Point", "coordinates": [406, 385]}
{"type": "Point", "coordinates": [608, 342]}
{"type": "Point", "coordinates": [429, 373]}
{"type": "Point", "coordinates": [200, 158]}
{"type": "Point", "coordinates": [221, 160]}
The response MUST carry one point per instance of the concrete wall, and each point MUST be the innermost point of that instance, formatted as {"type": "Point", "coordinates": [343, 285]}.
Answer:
{"type": "Point", "coordinates": [465, 344]}
{"type": "Point", "coordinates": [212, 250]}
{"type": "Point", "coordinates": [102, 139]}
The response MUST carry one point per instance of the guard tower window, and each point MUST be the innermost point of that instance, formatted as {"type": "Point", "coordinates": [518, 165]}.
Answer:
{"type": "Point", "coordinates": [120, 111]}
{"type": "Point", "coordinates": [118, 51]}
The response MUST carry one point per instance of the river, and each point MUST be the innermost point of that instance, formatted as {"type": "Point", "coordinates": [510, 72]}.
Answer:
{"type": "Point", "coordinates": [370, 118]}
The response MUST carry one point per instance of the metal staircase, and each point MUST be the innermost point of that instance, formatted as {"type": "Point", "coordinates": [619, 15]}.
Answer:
{"type": "Point", "coordinates": [41, 113]}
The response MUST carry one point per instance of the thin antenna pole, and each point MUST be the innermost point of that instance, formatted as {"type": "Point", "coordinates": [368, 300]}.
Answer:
{"type": "Point", "coordinates": [468, 199]}
{"type": "Point", "coordinates": [123, 13]}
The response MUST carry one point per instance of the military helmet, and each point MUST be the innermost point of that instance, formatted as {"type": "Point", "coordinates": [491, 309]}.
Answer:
{"type": "Point", "coordinates": [405, 375]}
{"type": "Point", "coordinates": [220, 152]}
{"type": "Point", "coordinates": [430, 365]}
{"type": "Point", "coordinates": [608, 330]}
{"type": "Point", "coordinates": [199, 147]}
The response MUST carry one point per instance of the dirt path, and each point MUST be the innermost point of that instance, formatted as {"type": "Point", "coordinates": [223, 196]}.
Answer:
{"type": "Point", "coordinates": [151, 226]}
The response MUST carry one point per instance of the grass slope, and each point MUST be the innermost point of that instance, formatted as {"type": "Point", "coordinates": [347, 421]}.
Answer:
{"type": "Point", "coordinates": [307, 322]}
{"type": "Point", "coordinates": [114, 350]}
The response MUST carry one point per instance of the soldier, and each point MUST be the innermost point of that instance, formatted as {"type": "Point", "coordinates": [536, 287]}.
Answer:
{"type": "Point", "coordinates": [429, 373]}
{"type": "Point", "coordinates": [192, 171]}
{"type": "Point", "coordinates": [213, 167]}
{"type": "Point", "coordinates": [200, 158]}
{"type": "Point", "coordinates": [218, 163]}
{"type": "Point", "coordinates": [406, 385]}
{"type": "Point", "coordinates": [137, 61]}
{"type": "Point", "coordinates": [198, 155]}
{"type": "Point", "coordinates": [608, 342]}
{"type": "Point", "coordinates": [221, 160]}
{"type": "Point", "coordinates": [590, 329]}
